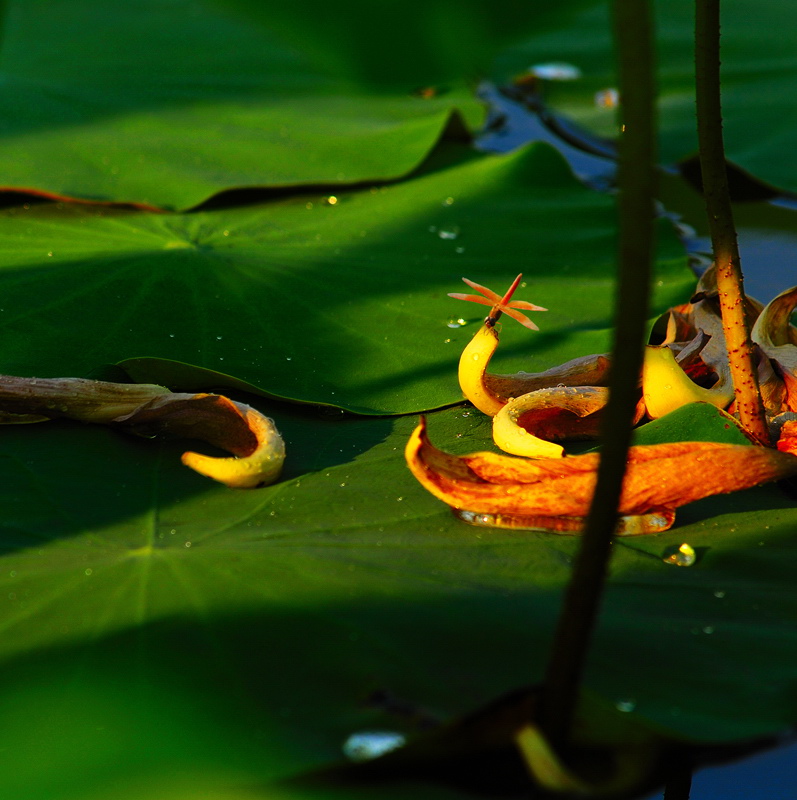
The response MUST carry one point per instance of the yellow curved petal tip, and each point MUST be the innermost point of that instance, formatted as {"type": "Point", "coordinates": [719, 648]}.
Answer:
{"type": "Point", "coordinates": [472, 368]}
{"type": "Point", "coordinates": [259, 468]}
{"type": "Point", "coordinates": [514, 439]}
{"type": "Point", "coordinates": [544, 765]}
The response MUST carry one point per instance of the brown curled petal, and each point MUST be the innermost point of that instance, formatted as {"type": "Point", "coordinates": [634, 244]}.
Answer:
{"type": "Point", "coordinates": [773, 328]}
{"type": "Point", "coordinates": [258, 448]}
{"type": "Point", "coordinates": [210, 418]}
{"type": "Point", "coordinates": [584, 371]}
{"type": "Point", "coordinates": [74, 398]}
{"type": "Point", "coordinates": [777, 338]}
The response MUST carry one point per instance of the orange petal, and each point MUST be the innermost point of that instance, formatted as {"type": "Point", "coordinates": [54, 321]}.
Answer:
{"type": "Point", "coordinates": [659, 478]}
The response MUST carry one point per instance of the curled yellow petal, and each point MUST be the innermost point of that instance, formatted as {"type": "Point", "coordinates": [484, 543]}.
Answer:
{"type": "Point", "coordinates": [525, 425]}
{"type": "Point", "coordinates": [258, 449]}
{"type": "Point", "coordinates": [666, 387]}
{"type": "Point", "coordinates": [260, 467]}
{"type": "Point", "coordinates": [544, 765]}
{"type": "Point", "coordinates": [473, 367]}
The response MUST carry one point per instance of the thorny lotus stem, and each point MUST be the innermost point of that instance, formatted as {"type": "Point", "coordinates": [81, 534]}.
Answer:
{"type": "Point", "coordinates": [720, 219]}
{"type": "Point", "coordinates": [633, 26]}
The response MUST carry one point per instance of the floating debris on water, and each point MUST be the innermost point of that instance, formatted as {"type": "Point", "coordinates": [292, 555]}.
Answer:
{"type": "Point", "coordinates": [607, 98]}
{"type": "Point", "coordinates": [367, 745]}
{"type": "Point", "coordinates": [556, 71]}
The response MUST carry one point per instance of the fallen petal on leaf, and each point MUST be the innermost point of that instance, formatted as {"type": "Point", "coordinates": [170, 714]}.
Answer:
{"type": "Point", "coordinates": [583, 371]}
{"type": "Point", "coordinates": [259, 468]}
{"type": "Point", "coordinates": [149, 410]}
{"type": "Point", "coordinates": [659, 478]}
{"type": "Point", "coordinates": [545, 766]}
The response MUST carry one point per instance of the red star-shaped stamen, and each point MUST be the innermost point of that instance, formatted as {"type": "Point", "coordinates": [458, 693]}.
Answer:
{"type": "Point", "coordinates": [500, 305]}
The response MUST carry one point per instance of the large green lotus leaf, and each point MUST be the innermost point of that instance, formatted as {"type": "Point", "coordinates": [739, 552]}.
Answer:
{"type": "Point", "coordinates": [759, 67]}
{"type": "Point", "coordinates": [167, 103]}
{"type": "Point", "coordinates": [341, 304]}
{"type": "Point", "coordinates": [160, 626]}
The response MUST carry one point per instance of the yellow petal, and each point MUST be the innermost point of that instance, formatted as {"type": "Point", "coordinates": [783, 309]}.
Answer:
{"type": "Point", "coordinates": [544, 765]}
{"type": "Point", "coordinates": [472, 368]}
{"type": "Point", "coordinates": [259, 468]}
{"type": "Point", "coordinates": [666, 387]}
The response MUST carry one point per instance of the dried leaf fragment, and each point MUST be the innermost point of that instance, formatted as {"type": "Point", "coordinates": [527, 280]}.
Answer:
{"type": "Point", "coordinates": [149, 410]}
{"type": "Point", "coordinates": [659, 478]}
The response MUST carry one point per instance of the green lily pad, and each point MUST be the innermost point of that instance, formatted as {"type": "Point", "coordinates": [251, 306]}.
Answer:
{"type": "Point", "coordinates": [340, 304]}
{"type": "Point", "coordinates": [759, 65]}
{"type": "Point", "coordinates": [165, 104]}
{"type": "Point", "coordinates": [250, 655]}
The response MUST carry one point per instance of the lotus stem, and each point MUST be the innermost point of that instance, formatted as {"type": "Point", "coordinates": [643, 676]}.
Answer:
{"type": "Point", "coordinates": [634, 45]}
{"type": "Point", "coordinates": [724, 243]}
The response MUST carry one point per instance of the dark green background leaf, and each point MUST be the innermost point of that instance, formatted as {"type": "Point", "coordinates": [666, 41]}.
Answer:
{"type": "Point", "coordinates": [248, 655]}
{"type": "Point", "coordinates": [167, 103]}
{"type": "Point", "coordinates": [759, 67]}
{"type": "Point", "coordinates": [342, 304]}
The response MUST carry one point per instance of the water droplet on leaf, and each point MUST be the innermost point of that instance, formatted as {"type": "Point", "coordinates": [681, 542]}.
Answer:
{"type": "Point", "coordinates": [682, 556]}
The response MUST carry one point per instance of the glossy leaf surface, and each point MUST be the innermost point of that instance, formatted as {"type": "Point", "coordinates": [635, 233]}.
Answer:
{"type": "Point", "coordinates": [168, 103]}
{"type": "Point", "coordinates": [759, 66]}
{"type": "Point", "coordinates": [248, 656]}
{"type": "Point", "coordinates": [341, 304]}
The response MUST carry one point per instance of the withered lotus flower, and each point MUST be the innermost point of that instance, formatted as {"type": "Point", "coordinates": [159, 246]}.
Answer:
{"type": "Point", "coordinates": [531, 411]}
{"type": "Point", "coordinates": [149, 410]}
{"type": "Point", "coordinates": [555, 494]}
{"type": "Point", "coordinates": [530, 408]}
